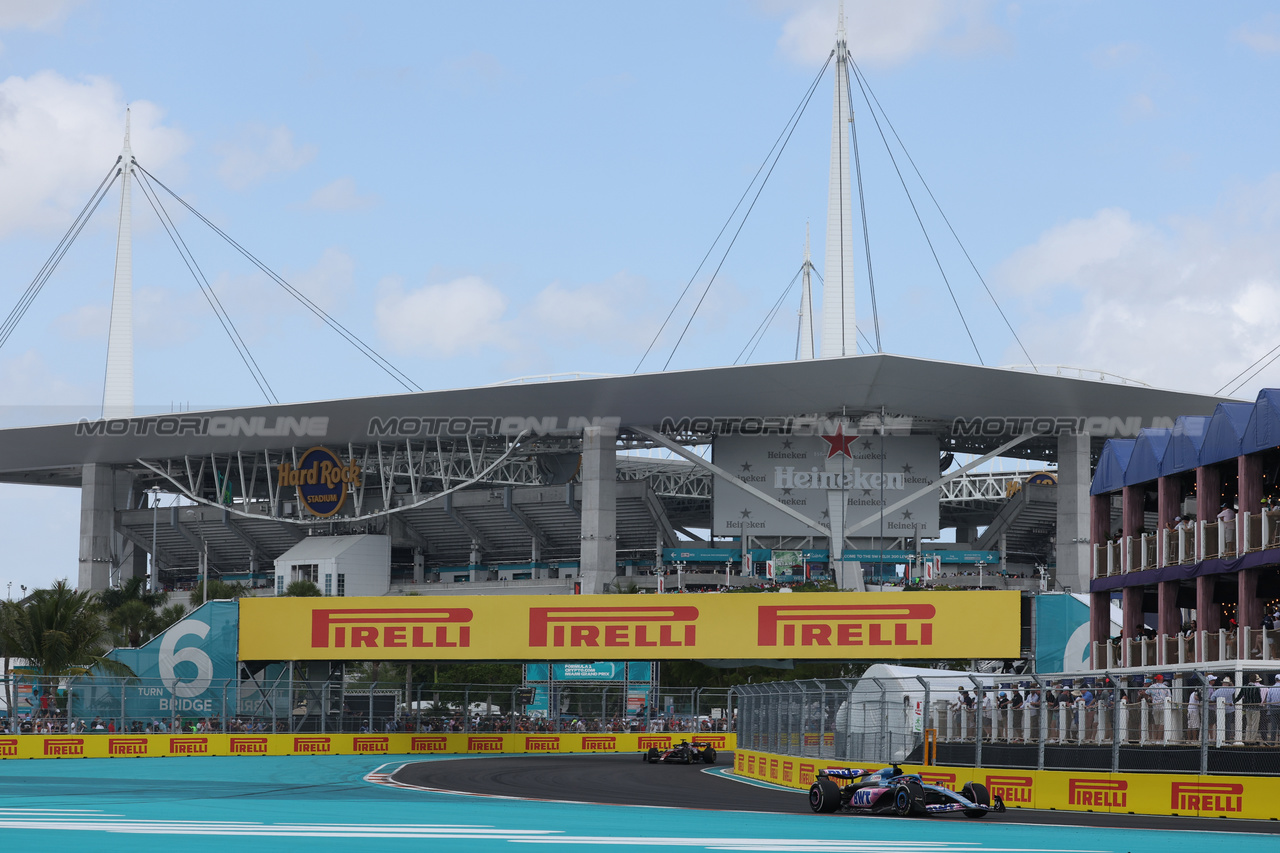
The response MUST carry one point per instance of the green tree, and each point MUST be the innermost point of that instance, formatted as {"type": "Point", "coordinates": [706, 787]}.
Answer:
{"type": "Point", "coordinates": [302, 589]}
{"type": "Point", "coordinates": [58, 630]}
{"type": "Point", "coordinates": [171, 615]}
{"type": "Point", "coordinates": [130, 611]}
{"type": "Point", "coordinates": [217, 590]}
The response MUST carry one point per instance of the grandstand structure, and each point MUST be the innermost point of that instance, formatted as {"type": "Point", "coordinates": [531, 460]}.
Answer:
{"type": "Point", "coordinates": [533, 475]}
{"type": "Point", "coordinates": [551, 485]}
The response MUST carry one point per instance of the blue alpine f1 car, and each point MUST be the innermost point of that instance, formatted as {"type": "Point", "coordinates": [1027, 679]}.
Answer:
{"type": "Point", "coordinates": [890, 791]}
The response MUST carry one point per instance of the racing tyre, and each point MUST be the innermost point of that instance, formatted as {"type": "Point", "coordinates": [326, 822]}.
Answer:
{"type": "Point", "coordinates": [709, 755]}
{"type": "Point", "coordinates": [976, 793]}
{"type": "Point", "coordinates": [652, 755]}
{"type": "Point", "coordinates": [903, 800]}
{"type": "Point", "coordinates": [824, 796]}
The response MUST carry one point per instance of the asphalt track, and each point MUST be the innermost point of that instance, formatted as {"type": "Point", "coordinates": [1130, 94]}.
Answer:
{"type": "Point", "coordinates": [625, 780]}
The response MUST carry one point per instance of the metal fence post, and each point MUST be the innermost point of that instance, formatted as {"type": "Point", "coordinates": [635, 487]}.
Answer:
{"type": "Point", "coordinates": [1117, 698]}
{"type": "Point", "coordinates": [978, 729]}
{"type": "Point", "coordinates": [1203, 690]}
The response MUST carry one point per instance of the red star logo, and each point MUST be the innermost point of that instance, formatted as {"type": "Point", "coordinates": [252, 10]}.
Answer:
{"type": "Point", "coordinates": [839, 443]}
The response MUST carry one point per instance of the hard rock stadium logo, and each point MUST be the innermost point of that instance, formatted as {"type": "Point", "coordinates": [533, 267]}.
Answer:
{"type": "Point", "coordinates": [322, 480]}
{"type": "Point", "coordinates": [391, 628]}
{"type": "Point", "coordinates": [612, 627]}
{"type": "Point", "coordinates": [846, 625]}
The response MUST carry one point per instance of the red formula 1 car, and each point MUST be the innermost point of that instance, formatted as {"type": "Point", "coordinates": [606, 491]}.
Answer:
{"type": "Point", "coordinates": [682, 753]}
{"type": "Point", "coordinates": [890, 791]}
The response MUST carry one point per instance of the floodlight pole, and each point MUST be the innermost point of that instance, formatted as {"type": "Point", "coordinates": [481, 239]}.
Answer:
{"type": "Point", "coordinates": [155, 509]}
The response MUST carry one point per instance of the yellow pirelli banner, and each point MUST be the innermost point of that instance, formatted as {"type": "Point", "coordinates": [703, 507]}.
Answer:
{"type": "Point", "coordinates": [453, 743]}
{"type": "Point", "coordinates": [1076, 790]}
{"type": "Point", "coordinates": [881, 625]}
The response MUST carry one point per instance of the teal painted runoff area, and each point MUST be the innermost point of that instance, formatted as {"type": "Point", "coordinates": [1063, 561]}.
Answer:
{"type": "Point", "coordinates": [325, 803]}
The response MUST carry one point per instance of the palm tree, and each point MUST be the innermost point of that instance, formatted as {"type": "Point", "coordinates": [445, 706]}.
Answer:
{"type": "Point", "coordinates": [59, 631]}
{"type": "Point", "coordinates": [134, 589]}
{"type": "Point", "coordinates": [302, 589]}
{"type": "Point", "coordinates": [217, 590]}
{"type": "Point", "coordinates": [131, 612]}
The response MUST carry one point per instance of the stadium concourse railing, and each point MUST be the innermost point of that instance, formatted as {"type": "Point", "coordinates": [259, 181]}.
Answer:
{"type": "Point", "coordinates": [1022, 722]}
{"type": "Point", "coordinates": [1187, 544]}
{"type": "Point", "coordinates": [285, 705]}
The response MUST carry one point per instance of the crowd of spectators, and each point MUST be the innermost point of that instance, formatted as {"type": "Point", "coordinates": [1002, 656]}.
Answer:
{"type": "Point", "coordinates": [1155, 711]}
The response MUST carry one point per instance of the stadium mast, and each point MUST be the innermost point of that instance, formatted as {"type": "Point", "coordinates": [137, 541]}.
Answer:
{"type": "Point", "coordinates": [839, 323]}
{"type": "Point", "coordinates": [117, 392]}
{"type": "Point", "coordinates": [806, 303]}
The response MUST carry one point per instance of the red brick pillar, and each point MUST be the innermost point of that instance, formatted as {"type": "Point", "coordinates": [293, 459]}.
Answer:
{"type": "Point", "coordinates": [1170, 617]}
{"type": "Point", "coordinates": [1207, 614]}
{"type": "Point", "coordinates": [1208, 496]}
{"type": "Point", "coordinates": [1168, 495]}
{"type": "Point", "coordinates": [1099, 622]}
{"type": "Point", "coordinates": [1132, 608]}
{"type": "Point", "coordinates": [1249, 496]}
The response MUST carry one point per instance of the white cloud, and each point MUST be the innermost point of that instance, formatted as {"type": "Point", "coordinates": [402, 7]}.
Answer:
{"type": "Point", "coordinates": [341, 195]}
{"type": "Point", "coordinates": [605, 312]}
{"type": "Point", "coordinates": [87, 322]}
{"type": "Point", "coordinates": [58, 137]}
{"type": "Point", "coordinates": [1184, 304]}
{"type": "Point", "coordinates": [261, 151]}
{"type": "Point", "coordinates": [325, 283]}
{"type": "Point", "coordinates": [28, 381]}
{"type": "Point", "coordinates": [1140, 106]}
{"type": "Point", "coordinates": [34, 14]}
{"type": "Point", "coordinates": [447, 319]}
{"type": "Point", "coordinates": [1262, 37]}
{"type": "Point", "coordinates": [885, 33]}
{"type": "Point", "coordinates": [475, 70]}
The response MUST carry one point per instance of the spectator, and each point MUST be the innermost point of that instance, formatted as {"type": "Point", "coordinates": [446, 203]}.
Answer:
{"type": "Point", "coordinates": [1251, 701]}
{"type": "Point", "coordinates": [1271, 712]}
{"type": "Point", "coordinates": [1159, 695]}
{"type": "Point", "coordinates": [1227, 693]}
{"type": "Point", "coordinates": [1193, 716]}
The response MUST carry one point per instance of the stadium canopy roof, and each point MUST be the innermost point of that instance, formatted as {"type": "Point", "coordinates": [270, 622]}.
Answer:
{"type": "Point", "coordinates": [934, 394]}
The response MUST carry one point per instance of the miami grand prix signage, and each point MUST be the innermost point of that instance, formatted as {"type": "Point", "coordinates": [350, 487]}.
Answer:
{"type": "Point", "coordinates": [807, 472]}
{"type": "Point", "coordinates": [797, 625]}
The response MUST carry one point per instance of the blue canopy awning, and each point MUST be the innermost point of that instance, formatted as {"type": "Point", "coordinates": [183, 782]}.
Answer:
{"type": "Point", "coordinates": [1148, 455]}
{"type": "Point", "coordinates": [1183, 453]}
{"type": "Point", "coordinates": [1263, 429]}
{"type": "Point", "coordinates": [1111, 465]}
{"type": "Point", "coordinates": [1226, 428]}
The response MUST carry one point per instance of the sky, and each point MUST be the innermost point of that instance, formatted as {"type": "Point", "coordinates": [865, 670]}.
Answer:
{"type": "Point", "coordinates": [489, 191]}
